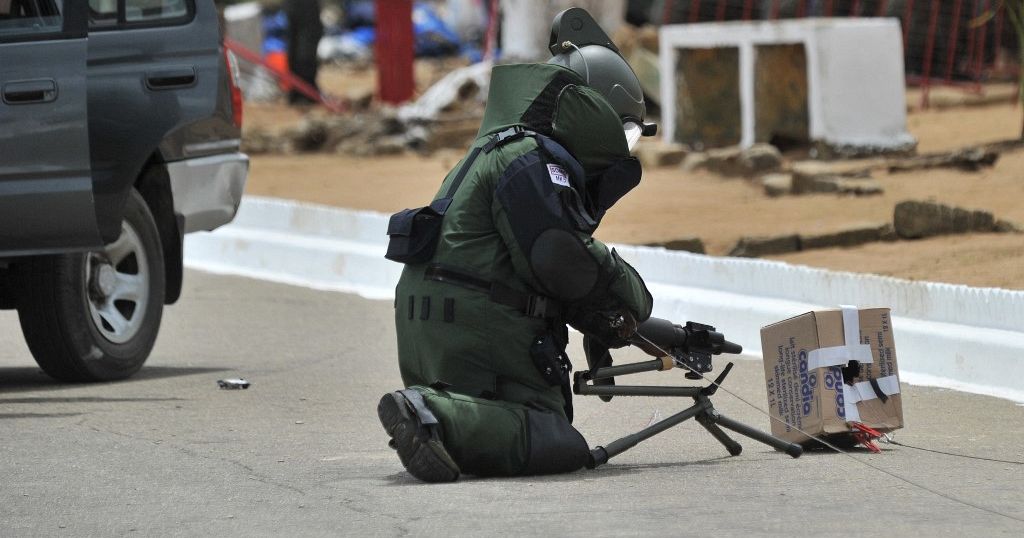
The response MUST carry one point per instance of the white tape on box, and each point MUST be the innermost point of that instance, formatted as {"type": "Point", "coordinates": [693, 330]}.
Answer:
{"type": "Point", "coordinates": [852, 350]}
{"type": "Point", "coordinates": [863, 390]}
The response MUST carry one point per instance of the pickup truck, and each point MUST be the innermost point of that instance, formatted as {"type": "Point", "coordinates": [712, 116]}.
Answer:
{"type": "Point", "coordinates": [120, 123]}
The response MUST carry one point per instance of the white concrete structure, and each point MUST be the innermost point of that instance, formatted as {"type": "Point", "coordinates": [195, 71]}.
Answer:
{"type": "Point", "coordinates": [960, 337]}
{"type": "Point", "coordinates": [854, 75]}
{"type": "Point", "coordinates": [244, 24]}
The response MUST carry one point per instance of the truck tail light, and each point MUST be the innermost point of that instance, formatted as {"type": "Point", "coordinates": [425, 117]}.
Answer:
{"type": "Point", "coordinates": [236, 92]}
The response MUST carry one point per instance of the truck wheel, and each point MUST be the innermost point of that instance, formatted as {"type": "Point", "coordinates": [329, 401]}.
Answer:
{"type": "Point", "coordinates": [95, 316]}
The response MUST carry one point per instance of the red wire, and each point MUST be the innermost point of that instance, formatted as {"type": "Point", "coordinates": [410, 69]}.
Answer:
{"type": "Point", "coordinates": [492, 32]}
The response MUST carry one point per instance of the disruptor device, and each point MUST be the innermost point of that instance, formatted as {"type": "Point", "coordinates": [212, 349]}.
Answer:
{"type": "Point", "coordinates": [689, 347]}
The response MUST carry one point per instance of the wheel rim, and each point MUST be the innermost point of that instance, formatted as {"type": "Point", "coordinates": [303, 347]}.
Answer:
{"type": "Point", "coordinates": [117, 282]}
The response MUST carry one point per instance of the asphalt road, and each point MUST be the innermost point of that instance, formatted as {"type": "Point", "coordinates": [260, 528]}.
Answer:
{"type": "Point", "coordinates": [301, 452]}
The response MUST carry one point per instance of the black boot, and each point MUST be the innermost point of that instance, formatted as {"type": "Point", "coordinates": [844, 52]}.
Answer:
{"type": "Point", "coordinates": [414, 434]}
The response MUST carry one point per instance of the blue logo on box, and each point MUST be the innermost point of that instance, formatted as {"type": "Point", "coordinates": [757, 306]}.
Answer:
{"type": "Point", "coordinates": [834, 381]}
{"type": "Point", "coordinates": [808, 381]}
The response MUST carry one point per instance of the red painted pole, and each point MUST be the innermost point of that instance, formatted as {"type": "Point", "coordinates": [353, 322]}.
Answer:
{"type": "Point", "coordinates": [972, 38]}
{"type": "Point", "coordinates": [953, 34]}
{"type": "Point", "coordinates": [748, 9]}
{"type": "Point", "coordinates": [882, 8]}
{"type": "Point", "coordinates": [394, 50]}
{"type": "Point", "coordinates": [775, 10]}
{"type": "Point", "coordinates": [666, 12]}
{"type": "Point", "coordinates": [855, 8]}
{"type": "Point", "coordinates": [999, 29]}
{"type": "Point", "coordinates": [801, 9]}
{"type": "Point", "coordinates": [929, 51]}
{"type": "Point", "coordinates": [828, 8]}
{"type": "Point", "coordinates": [492, 32]}
{"type": "Point", "coordinates": [979, 51]}
{"type": "Point", "coordinates": [694, 10]}
{"type": "Point", "coordinates": [720, 12]}
{"type": "Point", "coordinates": [908, 20]}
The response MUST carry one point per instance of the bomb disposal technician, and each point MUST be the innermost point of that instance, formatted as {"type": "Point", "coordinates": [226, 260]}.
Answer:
{"type": "Point", "coordinates": [503, 259]}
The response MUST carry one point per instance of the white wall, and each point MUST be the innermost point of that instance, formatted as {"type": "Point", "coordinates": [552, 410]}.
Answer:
{"type": "Point", "coordinates": [953, 336]}
{"type": "Point", "coordinates": [854, 67]}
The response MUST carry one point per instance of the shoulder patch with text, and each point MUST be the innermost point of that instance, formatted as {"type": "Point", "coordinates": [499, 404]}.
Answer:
{"type": "Point", "coordinates": [558, 175]}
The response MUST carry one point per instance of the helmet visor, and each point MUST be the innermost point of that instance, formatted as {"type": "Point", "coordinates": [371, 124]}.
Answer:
{"type": "Point", "coordinates": [633, 132]}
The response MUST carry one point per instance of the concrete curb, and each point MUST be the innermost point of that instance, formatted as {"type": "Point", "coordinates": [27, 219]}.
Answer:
{"type": "Point", "coordinates": [953, 336]}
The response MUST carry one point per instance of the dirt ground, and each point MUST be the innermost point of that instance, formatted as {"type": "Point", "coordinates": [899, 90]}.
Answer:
{"type": "Point", "coordinates": [670, 204]}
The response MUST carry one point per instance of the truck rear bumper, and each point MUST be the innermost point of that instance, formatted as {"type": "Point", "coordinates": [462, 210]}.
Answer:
{"type": "Point", "coordinates": [207, 190]}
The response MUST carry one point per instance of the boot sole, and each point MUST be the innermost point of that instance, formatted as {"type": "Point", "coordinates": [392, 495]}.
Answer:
{"type": "Point", "coordinates": [427, 459]}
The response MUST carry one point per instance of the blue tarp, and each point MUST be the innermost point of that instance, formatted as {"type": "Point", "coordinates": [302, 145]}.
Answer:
{"type": "Point", "coordinates": [432, 36]}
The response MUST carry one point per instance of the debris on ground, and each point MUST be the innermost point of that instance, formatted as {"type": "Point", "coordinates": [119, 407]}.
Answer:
{"type": "Point", "coordinates": [753, 247]}
{"type": "Point", "coordinates": [918, 219]}
{"type": "Point", "coordinates": [686, 244]}
{"type": "Point", "coordinates": [912, 219]}
{"type": "Point", "coordinates": [660, 154]}
{"type": "Point", "coordinates": [461, 89]}
{"type": "Point", "coordinates": [1008, 227]}
{"type": "Point", "coordinates": [860, 186]}
{"type": "Point", "coordinates": [736, 161]}
{"type": "Point", "coordinates": [970, 159]}
{"type": "Point", "coordinates": [777, 184]}
{"type": "Point", "coordinates": [447, 115]}
{"type": "Point", "coordinates": [236, 383]}
{"type": "Point", "coordinates": [849, 237]}
{"type": "Point", "coordinates": [760, 158]}
{"type": "Point", "coordinates": [854, 168]}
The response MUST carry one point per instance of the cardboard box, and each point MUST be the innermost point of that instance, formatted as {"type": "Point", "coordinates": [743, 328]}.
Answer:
{"type": "Point", "coordinates": [804, 362]}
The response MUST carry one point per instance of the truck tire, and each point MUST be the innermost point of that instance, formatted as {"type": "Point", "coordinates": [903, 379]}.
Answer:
{"type": "Point", "coordinates": [95, 316]}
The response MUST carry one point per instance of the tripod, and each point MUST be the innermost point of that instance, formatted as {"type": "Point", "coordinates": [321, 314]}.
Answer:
{"type": "Point", "coordinates": [702, 410]}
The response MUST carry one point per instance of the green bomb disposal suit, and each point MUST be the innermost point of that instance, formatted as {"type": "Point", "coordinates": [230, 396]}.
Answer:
{"type": "Point", "coordinates": [482, 325]}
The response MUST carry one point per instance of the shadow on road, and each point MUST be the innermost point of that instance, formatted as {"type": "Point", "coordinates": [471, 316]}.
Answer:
{"type": "Point", "coordinates": [29, 378]}
{"type": "Point", "coordinates": [4, 416]}
{"type": "Point", "coordinates": [84, 399]}
{"type": "Point", "coordinates": [605, 471]}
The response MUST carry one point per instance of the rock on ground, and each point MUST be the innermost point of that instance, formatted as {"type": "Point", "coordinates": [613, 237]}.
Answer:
{"type": "Point", "coordinates": [734, 161]}
{"type": "Point", "coordinates": [804, 183]}
{"type": "Point", "coordinates": [970, 159]}
{"type": "Point", "coordinates": [760, 158]}
{"type": "Point", "coordinates": [777, 184]}
{"type": "Point", "coordinates": [1006, 226]}
{"type": "Point", "coordinates": [916, 219]}
{"type": "Point", "coordinates": [850, 237]}
{"type": "Point", "coordinates": [753, 247]}
{"type": "Point", "coordinates": [658, 154]}
{"type": "Point", "coordinates": [687, 244]}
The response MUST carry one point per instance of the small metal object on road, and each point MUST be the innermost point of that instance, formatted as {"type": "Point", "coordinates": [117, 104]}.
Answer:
{"type": "Point", "coordinates": [233, 384]}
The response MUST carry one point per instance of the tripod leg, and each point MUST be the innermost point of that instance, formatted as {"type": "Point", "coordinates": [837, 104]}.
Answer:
{"type": "Point", "coordinates": [732, 446]}
{"type": "Point", "coordinates": [600, 455]}
{"type": "Point", "coordinates": [792, 449]}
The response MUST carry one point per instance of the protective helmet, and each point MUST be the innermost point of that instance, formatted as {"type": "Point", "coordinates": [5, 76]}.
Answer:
{"type": "Point", "coordinates": [579, 43]}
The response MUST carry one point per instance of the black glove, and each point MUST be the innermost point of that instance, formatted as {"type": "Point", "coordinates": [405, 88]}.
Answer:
{"type": "Point", "coordinates": [612, 328]}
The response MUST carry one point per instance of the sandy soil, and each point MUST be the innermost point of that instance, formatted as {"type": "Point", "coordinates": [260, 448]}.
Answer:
{"type": "Point", "coordinates": [669, 204]}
